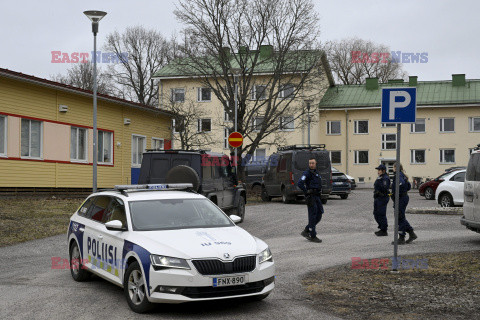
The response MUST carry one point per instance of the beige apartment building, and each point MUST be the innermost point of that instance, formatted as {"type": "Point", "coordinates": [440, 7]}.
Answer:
{"type": "Point", "coordinates": [446, 130]}
{"type": "Point", "coordinates": [178, 85]}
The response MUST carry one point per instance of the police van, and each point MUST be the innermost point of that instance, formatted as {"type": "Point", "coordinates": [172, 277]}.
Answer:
{"type": "Point", "coordinates": [471, 193]}
{"type": "Point", "coordinates": [164, 243]}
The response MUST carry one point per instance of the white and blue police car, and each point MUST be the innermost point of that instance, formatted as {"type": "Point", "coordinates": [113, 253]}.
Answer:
{"type": "Point", "coordinates": [166, 244]}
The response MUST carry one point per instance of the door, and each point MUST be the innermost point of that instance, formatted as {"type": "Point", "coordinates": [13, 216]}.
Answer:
{"type": "Point", "coordinates": [389, 165]}
{"type": "Point", "coordinates": [270, 173]}
{"type": "Point", "coordinates": [457, 182]}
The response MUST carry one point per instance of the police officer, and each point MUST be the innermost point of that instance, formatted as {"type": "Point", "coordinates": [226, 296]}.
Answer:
{"type": "Point", "coordinates": [311, 185]}
{"type": "Point", "coordinates": [380, 196]}
{"type": "Point", "coordinates": [403, 225]}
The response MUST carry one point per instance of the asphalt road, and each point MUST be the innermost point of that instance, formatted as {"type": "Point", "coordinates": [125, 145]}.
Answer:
{"type": "Point", "coordinates": [29, 288]}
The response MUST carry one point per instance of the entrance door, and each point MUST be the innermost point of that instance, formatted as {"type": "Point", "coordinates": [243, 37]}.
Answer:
{"type": "Point", "coordinates": [389, 164]}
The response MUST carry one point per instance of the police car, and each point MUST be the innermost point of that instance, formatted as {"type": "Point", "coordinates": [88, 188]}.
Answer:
{"type": "Point", "coordinates": [166, 244]}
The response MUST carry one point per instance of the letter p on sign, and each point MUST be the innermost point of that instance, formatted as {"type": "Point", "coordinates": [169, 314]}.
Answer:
{"type": "Point", "coordinates": [399, 105]}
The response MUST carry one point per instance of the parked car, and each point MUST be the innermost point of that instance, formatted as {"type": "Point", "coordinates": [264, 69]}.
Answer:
{"type": "Point", "coordinates": [341, 185]}
{"type": "Point", "coordinates": [287, 165]}
{"type": "Point", "coordinates": [427, 189]}
{"type": "Point", "coordinates": [450, 192]}
{"type": "Point", "coordinates": [471, 192]}
{"type": "Point", "coordinates": [254, 172]}
{"type": "Point", "coordinates": [210, 173]}
{"type": "Point", "coordinates": [353, 183]}
{"type": "Point", "coordinates": [455, 168]}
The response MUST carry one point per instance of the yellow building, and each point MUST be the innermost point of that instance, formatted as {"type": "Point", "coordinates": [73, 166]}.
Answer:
{"type": "Point", "coordinates": [46, 135]}
{"type": "Point", "coordinates": [447, 128]}
{"type": "Point", "coordinates": [178, 85]}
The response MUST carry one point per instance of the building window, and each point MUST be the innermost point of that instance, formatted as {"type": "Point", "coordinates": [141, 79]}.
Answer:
{"type": "Point", "coordinates": [204, 95]}
{"type": "Point", "coordinates": [447, 155]}
{"type": "Point", "coordinates": [78, 144]}
{"type": "Point", "coordinates": [336, 157]}
{"type": "Point", "coordinates": [286, 123]}
{"type": "Point", "coordinates": [105, 147]}
{"type": "Point", "coordinates": [31, 138]}
{"type": "Point", "coordinates": [204, 125]}
{"type": "Point", "coordinates": [177, 126]}
{"type": "Point", "coordinates": [360, 127]}
{"type": "Point", "coordinates": [257, 123]}
{"type": "Point", "coordinates": [178, 95]}
{"type": "Point", "coordinates": [3, 136]}
{"type": "Point", "coordinates": [474, 124]}
{"type": "Point", "coordinates": [417, 156]}
{"type": "Point", "coordinates": [286, 91]}
{"type": "Point", "coordinates": [158, 144]}
{"type": "Point", "coordinates": [260, 154]}
{"type": "Point", "coordinates": [388, 125]}
{"type": "Point", "coordinates": [447, 125]}
{"type": "Point", "coordinates": [333, 127]}
{"type": "Point", "coordinates": [361, 157]}
{"type": "Point", "coordinates": [389, 141]}
{"type": "Point", "coordinates": [258, 92]}
{"type": "Point", "coordinates": [138, 148]}
{"type": "Point", "coordinates": [226, 133]}
{"type": "Point", "coordinates": [418, 126]}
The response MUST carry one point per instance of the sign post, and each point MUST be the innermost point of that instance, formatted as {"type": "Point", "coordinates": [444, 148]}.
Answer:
{"type": "Point", "coordinates": [399, 105]}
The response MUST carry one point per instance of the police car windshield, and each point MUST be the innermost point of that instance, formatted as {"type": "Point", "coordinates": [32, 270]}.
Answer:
{"type": "Point", "coordinates": [173, 214]}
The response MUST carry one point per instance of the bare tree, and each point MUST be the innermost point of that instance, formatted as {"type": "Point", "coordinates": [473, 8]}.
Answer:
{"type": "Point", "coordinates": [353, 60]}
{"type": "Point", "coordinates": [147, 51]}
{"type": "Point", "coordinates": [80, 75]}
{"type": "Point", "coordinates": [221, 38]}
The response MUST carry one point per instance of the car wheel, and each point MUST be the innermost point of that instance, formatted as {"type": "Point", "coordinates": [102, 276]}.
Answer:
{"type": "Point", "coordinates": [78, 273]}
{"type": "Point", "coordinates": [285, 198]}
{"type": "Point", "coordinates": [183, 174]}
{"type": "Point", "coordinates": [324, 200]}
{"type": "Point", "coordinates": [344, 196]}
{"type": "Point", "coordinates": [256, 190]}
{"type": "Point", "coordinates": [265, 196]}
{"type": "Point", "coordinates": [446, 200]}
{"type": "Point", "coordinates": [135, 289]}
{"type": "Point", "coordinates": [240, 211]}
{"type": "Point", "coordinates": [429, 194]}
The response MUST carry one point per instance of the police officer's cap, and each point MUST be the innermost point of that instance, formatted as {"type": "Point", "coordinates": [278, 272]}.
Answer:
{"type": "Point", "coordinates": [381, 167]}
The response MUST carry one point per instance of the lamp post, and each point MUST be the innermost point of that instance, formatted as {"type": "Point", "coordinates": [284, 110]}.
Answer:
{"type": "Point", "coordinates": [95, 17]}
{"type": "Point", "coordinates": [308, 119]}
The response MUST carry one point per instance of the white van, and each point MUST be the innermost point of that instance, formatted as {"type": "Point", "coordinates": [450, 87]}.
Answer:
{"type": "Point", "coordinates": [471, 193]}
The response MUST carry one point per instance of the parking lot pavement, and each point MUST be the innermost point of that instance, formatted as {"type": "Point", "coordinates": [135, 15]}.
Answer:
{"type": "Point", "coordinates": [30, 289]}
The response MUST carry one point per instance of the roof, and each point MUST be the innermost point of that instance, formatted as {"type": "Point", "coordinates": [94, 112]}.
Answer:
{"type": "Point", "coordinates": [183, 67]}
{"type": "Point", "coordinates": [428, 93]}
{"type": "Point", "coordinates": [75, 90]}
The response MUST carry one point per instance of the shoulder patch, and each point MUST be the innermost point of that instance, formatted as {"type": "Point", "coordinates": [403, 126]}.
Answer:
{"type": "Point", "coordinates": [304, 177]}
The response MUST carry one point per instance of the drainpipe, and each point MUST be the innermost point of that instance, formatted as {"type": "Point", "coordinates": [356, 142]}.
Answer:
{"type": "Point", "coordinates": [346, 141]}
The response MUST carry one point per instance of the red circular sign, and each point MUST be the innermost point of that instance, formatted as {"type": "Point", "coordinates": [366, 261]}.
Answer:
{"type": "Point", "coordinates": [235, 139]}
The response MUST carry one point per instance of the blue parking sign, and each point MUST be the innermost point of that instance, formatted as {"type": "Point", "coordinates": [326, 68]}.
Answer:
{"type": "Point", "coordinates": [399, 105]}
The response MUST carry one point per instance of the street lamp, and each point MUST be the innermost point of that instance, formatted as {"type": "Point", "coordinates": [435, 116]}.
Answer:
{"type": "Point", "coordinates": [95, 17]}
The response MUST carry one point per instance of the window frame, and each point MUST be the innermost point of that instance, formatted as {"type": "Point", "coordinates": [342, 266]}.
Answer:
{"type": "Point", "coordinates": [174, 92]}
{"type": "Point", "coordinates": [413, 128]}
{"type": "Point", "coordinates": [329, 128]}
{"type": "Point", "coordinates": [253, 92]}
{"type": "Point", "coordinates": [355, 127]}
{"type": "Point", "coordinates": [5, 138]}
{"type": "Point", "coordinates": [200, 125]}
{"type": "Point", "coordinates": [77, 145]}
{"type": "Point", "coordinates": [111, 145]}
{"type": "Point", "coordinates": [412, 156]}
{"type": "Point", "coordinates": [356, 157]}
{"type": "Point", "coordinates": [471, 126]}
{"type": "Point", "coordinates": [136, 137]}
{"type": "Point", "coordinates": [226, 133]}
{"type": "Point", "coordinates": [442, 125]}
{"type": "Point", "coordinates": [280, 125]}
{"type": "Point", "coordinates": [388, 125]}
{"type": "Point", "coordinates": [384, 141]}
{"type": "Point", "coordinates": [281, 93]}
{"type": "Point", "coordinates": [157, 139]}
{"type": "Point", "coordinates": [330, 155]}
{"type": "Point", "coordinates": [200, 94]}
{"type": "Point", "coordinates": [30, 139]}
{"type": "Point", "coordinates": [442, 156]}
{"type": "Point", "coordinates": [254, 125]}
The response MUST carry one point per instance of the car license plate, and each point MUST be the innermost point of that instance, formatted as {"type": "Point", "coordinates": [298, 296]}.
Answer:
{"type": "Point", "coordinates": [337, 183]}
{"type": "Point", "coordinates": [229, 281]}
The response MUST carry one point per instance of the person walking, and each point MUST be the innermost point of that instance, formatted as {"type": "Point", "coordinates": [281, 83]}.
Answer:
{"type": "Point", "coordinates": [403, 225]}
{"type": "Point", "coordinates": [380, 200]}
{"type": "Point", "coordinates": [311, 185]}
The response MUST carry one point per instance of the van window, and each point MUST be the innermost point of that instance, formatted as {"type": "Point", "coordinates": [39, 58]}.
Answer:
{"type": "Point", "coordinates": [159, 168]}
{"type": "Point", "coordinates": [301, 160]}
{"type": "Point", "coordinates": [473, 170]}
{"type": "Point", "coordinates": [180, 162]}
{"type": "Point", "coordinates": [282, 165]}
{"type": "Point", "coordinates": [207, 172]}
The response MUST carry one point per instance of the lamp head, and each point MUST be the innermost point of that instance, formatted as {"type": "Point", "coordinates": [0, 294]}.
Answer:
{"type": "Point", "coordinates": [94, 15]}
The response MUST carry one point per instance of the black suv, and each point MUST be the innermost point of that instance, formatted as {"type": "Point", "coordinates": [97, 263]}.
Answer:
{"type": "Point", "coordinates": [211, 174]}
{"type": "Point", "coordinates": [285, 167]}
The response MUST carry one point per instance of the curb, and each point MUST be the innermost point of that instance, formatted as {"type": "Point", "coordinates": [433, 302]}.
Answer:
{"type": "Point", "coordinates": [436, 210]}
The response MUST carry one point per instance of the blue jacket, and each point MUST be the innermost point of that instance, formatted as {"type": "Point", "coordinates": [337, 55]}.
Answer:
{"type": "Point", "coordinates": [382, 185]}
{"type": "Point", "coordinates": [404, 184]}
{"type": "Point", "coordinates": [310, 179]}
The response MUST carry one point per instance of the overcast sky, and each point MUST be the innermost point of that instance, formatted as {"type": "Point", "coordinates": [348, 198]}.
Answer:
{"type": "Point", "coordinates": [447, 30]}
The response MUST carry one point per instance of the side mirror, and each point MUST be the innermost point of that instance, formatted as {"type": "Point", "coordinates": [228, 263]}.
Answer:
{"type": "Point", "coordinates": [235, 219]}
{"type": "Point", "coordinates": [115, 225]}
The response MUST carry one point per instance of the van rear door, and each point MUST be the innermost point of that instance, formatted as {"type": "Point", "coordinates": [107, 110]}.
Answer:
{"type": "Point", "coordinates": [471, 204]}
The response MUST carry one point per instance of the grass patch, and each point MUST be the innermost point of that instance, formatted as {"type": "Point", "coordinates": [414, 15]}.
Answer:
{"type": "Point", "coordinates": [28, 219]}
{"type": "Point", "coordinates": [447, 289]}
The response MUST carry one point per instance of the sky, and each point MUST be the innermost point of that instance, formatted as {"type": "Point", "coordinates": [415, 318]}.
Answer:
{"type": "Point", "coordinates": [446, 30]}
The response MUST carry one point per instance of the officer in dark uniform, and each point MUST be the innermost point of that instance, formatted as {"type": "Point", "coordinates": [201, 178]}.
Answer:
{"type": "Point", "coordinates": [311, 185]}
{"type": "Point", "coordinates": [380, 196]}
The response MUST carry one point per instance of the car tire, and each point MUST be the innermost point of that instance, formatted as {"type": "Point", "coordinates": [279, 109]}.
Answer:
{"type": "Point", "coordinates": [324, 200]}
{"type": "Point", "coordinates": [445, 200]}
{"type": "Point", "coordinates": [344, 196]}
{"type": "Point", "coordinates": [265, 197]}
{"type": "Point", "coordinates": [240, 210]}
{"type": "Point", "coordinates": [78, 273]}
{"type": "Point", "coordinates": [135, 289]}
{"type": "Point", "coordinates": [429, 194]}
{"type": "Point", "coordinates": [183, 174]}
{"type": "Point", "coordinates": [285, 198]}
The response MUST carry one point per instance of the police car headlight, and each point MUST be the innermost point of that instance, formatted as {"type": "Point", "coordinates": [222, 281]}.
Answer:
{"type": "Point", "coordinates": [168, 262]}
{"type": "Point", "coordinates": [265, 255]}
